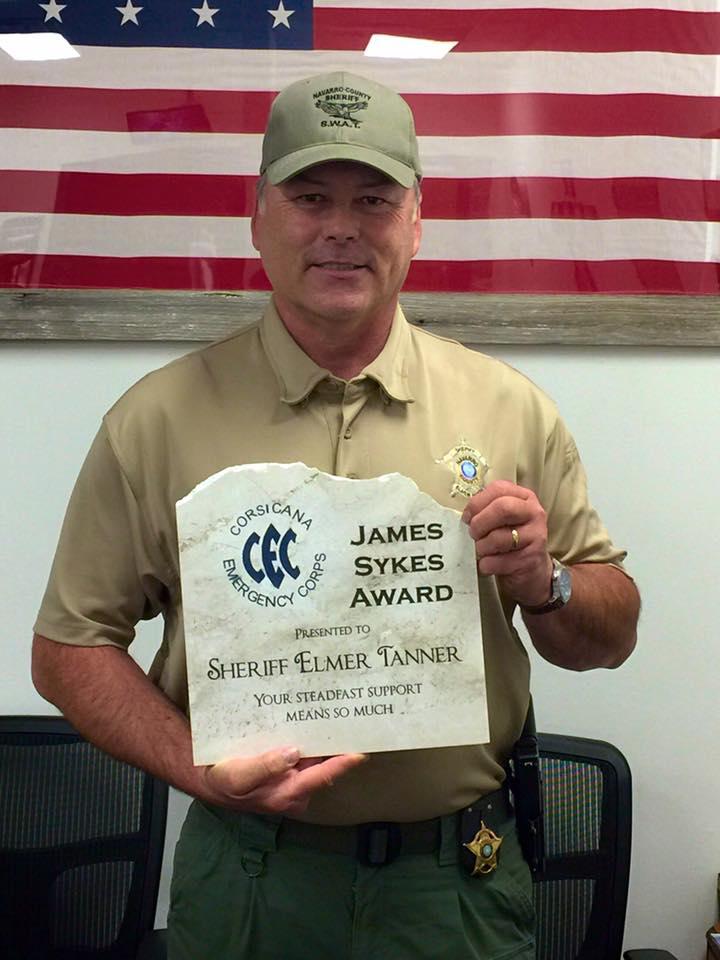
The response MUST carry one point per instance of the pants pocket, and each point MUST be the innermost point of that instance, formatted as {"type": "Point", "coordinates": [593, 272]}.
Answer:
{"type": "Point", "coordinates": [206, 899]}
{"type": "Point", "coordinates": [497, 908]}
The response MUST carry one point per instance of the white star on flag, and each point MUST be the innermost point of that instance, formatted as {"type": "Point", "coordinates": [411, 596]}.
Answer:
{"type": "Point", "coordinates": [52, 10]}
{"type": "Point", "coordinates": [205, 14]}
{"type": "Point", "coordinates": [281, 15]}
{"type": "Point", "coordinates": [129, 13]}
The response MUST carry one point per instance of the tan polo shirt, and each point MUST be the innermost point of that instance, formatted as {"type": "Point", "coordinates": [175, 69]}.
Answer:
{"type": "Point", "coordinates": [257, 397]}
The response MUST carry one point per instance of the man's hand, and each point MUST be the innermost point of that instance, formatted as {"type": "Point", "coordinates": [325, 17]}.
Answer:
{"type": "Point", "coordinates": [598, 627]}
{"type": "Point", "coordinates": [509, 527]}
{"type": "Point", "coordinates": [274, 782]}
{"type": "Point", "coordinates": [108, 698]}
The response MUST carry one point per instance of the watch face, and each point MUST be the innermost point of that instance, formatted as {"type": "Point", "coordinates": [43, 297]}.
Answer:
{"type": "Point", "coordinates": [564, 584]}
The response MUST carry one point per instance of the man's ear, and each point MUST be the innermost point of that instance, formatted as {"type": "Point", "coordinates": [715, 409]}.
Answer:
{"type": "Point", "coordinates": [254, 229]}
{"type": "Point", "coordinates": [418, 230]}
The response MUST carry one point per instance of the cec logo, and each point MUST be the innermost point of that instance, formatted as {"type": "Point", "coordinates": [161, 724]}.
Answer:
{"type": "Point", "coordinates": [273, 564]}
{"type": "Point", "coordinates": [268, 557]}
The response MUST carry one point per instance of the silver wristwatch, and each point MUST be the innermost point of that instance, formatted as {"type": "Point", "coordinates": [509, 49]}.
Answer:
{"type": "Point", "coordinates": [560, 590]}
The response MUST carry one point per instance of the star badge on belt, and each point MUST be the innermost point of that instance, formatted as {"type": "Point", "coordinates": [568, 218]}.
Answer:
{"type": "Point", "coordinates": [469, 466]}
{"type": "Point", "coordinates": [484, 846]}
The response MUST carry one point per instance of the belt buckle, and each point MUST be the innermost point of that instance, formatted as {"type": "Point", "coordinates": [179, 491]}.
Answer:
{"type": "Point", "coordinates": [378, 843]}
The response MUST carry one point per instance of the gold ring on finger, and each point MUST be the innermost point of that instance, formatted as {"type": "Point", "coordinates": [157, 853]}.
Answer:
{"type": "Point", "coordinates": [515, 538]}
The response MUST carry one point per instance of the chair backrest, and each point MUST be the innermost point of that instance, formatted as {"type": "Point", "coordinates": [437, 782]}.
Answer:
{"type": "Point", "coordinates": [81, 843]}
{"type": "Point", "coordinates": [581, 895]}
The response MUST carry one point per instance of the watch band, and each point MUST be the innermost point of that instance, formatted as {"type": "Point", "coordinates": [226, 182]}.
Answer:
{"type": "Point", "coordinates": [560, 590]}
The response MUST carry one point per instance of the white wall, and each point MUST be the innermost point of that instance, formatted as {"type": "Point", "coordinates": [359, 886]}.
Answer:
{"type": "Point", "coordinates": [648, 426]}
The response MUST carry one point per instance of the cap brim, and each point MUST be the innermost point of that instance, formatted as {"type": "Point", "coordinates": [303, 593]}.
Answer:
{"type": "Point", "coordinates": [294, 163]}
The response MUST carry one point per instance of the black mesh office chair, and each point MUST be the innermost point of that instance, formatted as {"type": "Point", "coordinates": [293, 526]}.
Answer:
{"type": "Point", "coordinates": [81, 844]}
{"type": "Point", "coordinates": [82, 835]}
{"type": "Point", "coordinates": [581, 894]}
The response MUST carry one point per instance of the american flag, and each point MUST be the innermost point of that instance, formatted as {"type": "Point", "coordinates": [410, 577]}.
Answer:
{"type": "Point", "coordinates": [566, 148]}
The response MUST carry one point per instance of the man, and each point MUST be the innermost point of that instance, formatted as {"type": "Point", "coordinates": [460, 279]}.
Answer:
{"type": "Point", "coordinates": [271, 862]}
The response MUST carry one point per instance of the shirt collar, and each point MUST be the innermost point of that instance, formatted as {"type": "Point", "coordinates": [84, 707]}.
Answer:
{"type": "Point", "coordinates": [298, 374]}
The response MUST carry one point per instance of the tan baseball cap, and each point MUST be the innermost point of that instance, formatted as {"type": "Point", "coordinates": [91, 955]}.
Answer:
{"type": "Point", "coordinates": [340, 116]}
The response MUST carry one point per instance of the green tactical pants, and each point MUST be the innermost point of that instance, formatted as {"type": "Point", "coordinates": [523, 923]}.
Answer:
{"type": "Point", "coordinates": [240, 893]}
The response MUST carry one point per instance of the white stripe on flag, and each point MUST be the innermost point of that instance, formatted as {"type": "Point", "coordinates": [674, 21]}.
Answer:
{"type": "Point", "coordinates": [468, 73]}
{"type": "Point", "coordinates": [461, 157]}
{"type": "Point", "coordinates": [211, 237]}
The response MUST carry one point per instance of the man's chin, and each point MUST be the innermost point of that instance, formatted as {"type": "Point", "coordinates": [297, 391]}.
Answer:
{"type": "Point", "coordinates": [340, 305]}
{"type": "Point", "coordinates": [339, 310]}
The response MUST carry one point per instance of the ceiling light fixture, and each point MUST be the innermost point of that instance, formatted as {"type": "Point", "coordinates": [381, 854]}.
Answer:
{"type": "Point", "coordinates": [407, 48]}
{"type": "Point", "coordinates": [37, 46]}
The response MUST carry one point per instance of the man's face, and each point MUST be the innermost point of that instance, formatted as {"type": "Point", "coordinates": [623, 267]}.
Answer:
{"type": "Point", "coordinates": [336, 242]}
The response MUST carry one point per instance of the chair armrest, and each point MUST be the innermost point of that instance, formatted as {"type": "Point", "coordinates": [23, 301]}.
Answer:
{"type": "Point", "coordinates": [154, 946]}
{"type": "Point", "coordinates": [648, 955]}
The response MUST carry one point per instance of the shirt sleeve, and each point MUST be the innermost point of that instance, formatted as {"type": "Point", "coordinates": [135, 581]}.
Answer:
{"type": "Point", "coordinates": [107, 574]}
{"type": "Point", "coordinates": [576, 533]}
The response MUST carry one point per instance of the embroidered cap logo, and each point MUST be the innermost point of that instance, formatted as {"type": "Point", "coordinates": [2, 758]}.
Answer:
{"type": "Point", "coordinates": [340, 104]}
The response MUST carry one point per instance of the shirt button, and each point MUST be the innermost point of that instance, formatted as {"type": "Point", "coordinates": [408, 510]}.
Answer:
{"type": "Point", "coordinates": [348, 433]}
{"type": "Point", "coordinates": [352, 476]}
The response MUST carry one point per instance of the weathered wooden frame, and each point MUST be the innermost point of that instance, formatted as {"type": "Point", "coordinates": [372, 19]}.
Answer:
{"type": "Point", "coordinates": [475, 319]}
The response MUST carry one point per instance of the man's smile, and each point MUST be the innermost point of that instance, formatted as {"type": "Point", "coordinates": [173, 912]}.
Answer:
{"type": "Point", "coordinates": [338, 265]}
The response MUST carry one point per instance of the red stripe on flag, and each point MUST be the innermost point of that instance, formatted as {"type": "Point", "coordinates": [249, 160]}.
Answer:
{"type": "Point", "coordinates": [138, 111]}
{"type": "Point", "coordinates": [565, 276]}
{"type": "Point", "coordinates": [571, 198]}
{"type": "Point", "coordinates": [561, 114]}
{"type": "Point", "coordinates": [592, 31]}
{"type": "Point", "coordinates": [456, 115]}
{"type": "Point", "coordinates": [131, 273]}
{"type": "Point", "coordinates": [194, 195]}
{"type": "Point", "coordinates": [21, 271]}
{"type": "Point", "coordinates": [127, 194]}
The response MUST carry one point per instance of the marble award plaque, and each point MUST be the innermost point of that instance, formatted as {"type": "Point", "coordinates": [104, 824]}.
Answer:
{"type": "Point", "coordinates": [332, 614]}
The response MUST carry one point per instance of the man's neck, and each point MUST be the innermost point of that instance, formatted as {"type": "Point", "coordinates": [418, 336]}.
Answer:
{"type": "Point", "coordinates": [342, 346]}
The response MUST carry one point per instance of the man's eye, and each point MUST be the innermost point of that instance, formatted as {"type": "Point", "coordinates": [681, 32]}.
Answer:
{"type": "Point", "coordinates": [373, 201]}
{"type": "Point", "coordinates": [309, 198]}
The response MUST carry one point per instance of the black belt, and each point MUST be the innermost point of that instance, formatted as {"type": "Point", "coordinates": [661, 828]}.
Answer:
{"type": "Point", "coordinates": [381, 842]}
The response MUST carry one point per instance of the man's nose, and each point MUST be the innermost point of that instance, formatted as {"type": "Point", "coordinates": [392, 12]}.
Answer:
{"type": "Point", "coordinates": [341, 223]}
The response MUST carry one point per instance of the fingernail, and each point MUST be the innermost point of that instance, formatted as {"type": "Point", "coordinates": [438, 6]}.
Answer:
{"type": "Point", "coordinates": [291, 755]}
{"type": "Point", "coordinates": [465, 517]}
